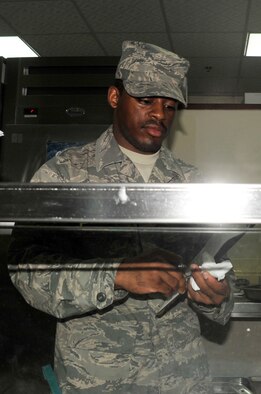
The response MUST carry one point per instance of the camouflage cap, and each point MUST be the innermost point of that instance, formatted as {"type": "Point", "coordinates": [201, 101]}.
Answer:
{"type": "Point", "coordinates": [148, 70]}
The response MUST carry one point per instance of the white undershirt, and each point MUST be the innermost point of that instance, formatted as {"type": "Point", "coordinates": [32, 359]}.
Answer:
{"type": "Point", "coordinates": [144, 163]}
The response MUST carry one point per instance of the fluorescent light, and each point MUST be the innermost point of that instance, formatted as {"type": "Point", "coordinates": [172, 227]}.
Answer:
{"type": "Point", "coordinates": [253, 44]}
{"type": "Point", "coordinates": [13, 46]}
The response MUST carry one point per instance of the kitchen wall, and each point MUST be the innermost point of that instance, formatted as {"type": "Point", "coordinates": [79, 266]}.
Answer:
{"type": "Point", "coordinates": [224, 144]}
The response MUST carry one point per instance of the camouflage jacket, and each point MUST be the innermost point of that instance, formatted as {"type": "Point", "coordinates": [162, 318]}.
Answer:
{"type": "Point", "coordinates": [109, 341]}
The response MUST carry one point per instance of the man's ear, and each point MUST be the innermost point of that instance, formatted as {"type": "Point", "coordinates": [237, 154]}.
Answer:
{"type": "Point", "coordinates": [113, 96]}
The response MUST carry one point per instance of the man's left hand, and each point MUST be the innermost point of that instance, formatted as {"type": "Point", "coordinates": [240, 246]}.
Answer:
{"type": "Point", "coordinates": [212, 291]}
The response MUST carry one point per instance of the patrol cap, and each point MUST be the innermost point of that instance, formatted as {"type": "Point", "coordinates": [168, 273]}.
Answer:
{"type": "Point", "coordinates": [148, 70]}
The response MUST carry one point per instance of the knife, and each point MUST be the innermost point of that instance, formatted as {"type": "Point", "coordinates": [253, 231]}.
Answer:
{"type": "Point", "coordinates": [217, 246]}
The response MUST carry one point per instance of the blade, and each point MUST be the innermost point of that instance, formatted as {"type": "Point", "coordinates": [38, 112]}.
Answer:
{"type": "Point", "coordinates": [217, 246]}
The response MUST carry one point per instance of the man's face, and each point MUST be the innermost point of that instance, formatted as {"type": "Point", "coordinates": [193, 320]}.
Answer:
{"type": "Point", "coordinates": [141, 124]}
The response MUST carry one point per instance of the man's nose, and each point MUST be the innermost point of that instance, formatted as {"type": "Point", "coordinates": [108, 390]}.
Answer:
{"type": "Point", "coordinates": [158, 111]}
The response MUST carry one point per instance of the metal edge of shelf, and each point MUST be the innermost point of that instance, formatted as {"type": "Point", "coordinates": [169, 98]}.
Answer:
{"type": "Point", "coordinates": [131, 203]}
{"type": "Point", "coordinates": [246, 309]}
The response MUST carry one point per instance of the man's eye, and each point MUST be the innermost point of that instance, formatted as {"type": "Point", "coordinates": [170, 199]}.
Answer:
{"type": "Point", "coordinates": [170, 107]}
{"type": "Point", "coordinates": [145, 101]}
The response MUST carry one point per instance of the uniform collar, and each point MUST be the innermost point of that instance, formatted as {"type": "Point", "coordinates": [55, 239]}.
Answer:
{"type": "Point", "coordinates": [108, 152]}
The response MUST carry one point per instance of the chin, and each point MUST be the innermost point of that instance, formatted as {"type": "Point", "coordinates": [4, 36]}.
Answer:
{"type": "Point", "coordinates": [145, 145]}
{"type": "Point", "coordinates": [150, 148]}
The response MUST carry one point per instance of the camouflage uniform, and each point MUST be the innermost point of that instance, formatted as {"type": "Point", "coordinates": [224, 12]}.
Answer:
{"type": "Point", "coordinates": [109, 341]}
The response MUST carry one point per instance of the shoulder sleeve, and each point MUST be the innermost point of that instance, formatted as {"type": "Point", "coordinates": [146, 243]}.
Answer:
{"type": "Point", "coordinates": [45, 268]}
{"type": "Point", "coordinates": [190, 172]}
{"type": "Point", "coordinates": [48, 173]}
{"type": "Point", "coordinates": [71, 165]}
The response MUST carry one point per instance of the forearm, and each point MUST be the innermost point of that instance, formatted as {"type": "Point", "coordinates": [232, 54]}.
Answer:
{"type": "Point", "coordinates": [67, 289]}
{"type": "Point", "coordinates": [220, 314]}
{"type": "Point", "coordinates": [53, 275]}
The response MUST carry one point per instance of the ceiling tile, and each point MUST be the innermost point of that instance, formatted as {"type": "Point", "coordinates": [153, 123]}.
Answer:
{"type": "Point", "coordinates": [212, 87]}
{"type": "Point", "coordinates": [254, 20]}
{"type": "Point", "coordinates": [206, 15]}
{"type": "Point", "coordinates": [123, 16]}
{"type": "Point", "coordinates": [5, 29]}
{"type": "Point", "coordinates": [44, 17]}
{"type": "Point", "coordinates": [208, 44]}
{"type": "Point", "coordinates": [112, 42]}
{"type": "Point", "coordinates": [214, 67]}
{"type": "Point", "coordinates": [250, 84]}
{"type": "Point", "coordinates": [65, 45]}
{"type": "Point", "coordinates": [251, 67]}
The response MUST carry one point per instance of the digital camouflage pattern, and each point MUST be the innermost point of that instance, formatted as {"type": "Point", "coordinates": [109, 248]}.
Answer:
{"type": "Point", "coordinates": [148, 70]}
{"type": "Point", "coordinates": [104, 162]}
{"type": "Point", "coordinates": [109, 341]}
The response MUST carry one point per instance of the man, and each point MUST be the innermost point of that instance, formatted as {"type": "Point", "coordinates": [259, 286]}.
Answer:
{"type": "Point", "coordinates": [105, 289]}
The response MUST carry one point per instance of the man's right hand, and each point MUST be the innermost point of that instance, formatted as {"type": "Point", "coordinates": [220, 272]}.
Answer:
{"type": "Point", "coordinates": [151, 273]}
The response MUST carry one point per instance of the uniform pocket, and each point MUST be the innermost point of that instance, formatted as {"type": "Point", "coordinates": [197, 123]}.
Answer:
{"type": "Point", "coordinates": [102, 350]}
{"type": "Point", "coordinates": [106, 365]}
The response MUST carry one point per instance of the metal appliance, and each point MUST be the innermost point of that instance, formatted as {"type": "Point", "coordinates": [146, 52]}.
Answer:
{"type": "Point", "coordinates": [2, 80]}
{"type": "Point", "coordinates": [51, 100]}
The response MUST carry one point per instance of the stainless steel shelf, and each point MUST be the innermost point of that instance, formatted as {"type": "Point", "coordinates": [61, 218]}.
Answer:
{"type": "Point", "coordinates": [222, 206]}
{"type": "Point", "coordinates": [131, 203]}
{"type": "Point", "coordinates": [246, 309]}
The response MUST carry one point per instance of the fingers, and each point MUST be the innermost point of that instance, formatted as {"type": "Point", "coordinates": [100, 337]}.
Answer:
{"type": "Point", "coordinates": [212, 291]}
{"type": "Point", "coordinates": [175, 281]}
{"type": "Point", "coordinates": [149, 277]}
{"type": "Point", "coordinates": [164, 285]}
{"type": "Point", "coordinates": [182, 283]}
{"type": "Point", "coordinates": [159, 277]}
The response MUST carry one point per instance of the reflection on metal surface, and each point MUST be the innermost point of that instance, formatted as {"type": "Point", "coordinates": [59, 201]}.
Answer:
{"type": "Point", "coordinates": [218, 202]}
{"type": "Point", "coordinates": [227, 385]}
{"type": "Point", "coordinates": [244, 308]}
{"type": "Point", "coordinates": [131, 203]}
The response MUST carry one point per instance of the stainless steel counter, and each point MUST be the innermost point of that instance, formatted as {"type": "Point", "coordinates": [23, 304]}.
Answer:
{"type": "Point", "coordinates": [244, 308]}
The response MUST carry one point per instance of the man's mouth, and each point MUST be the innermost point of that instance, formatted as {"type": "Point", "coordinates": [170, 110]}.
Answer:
{"type": "Point", "coordinates": [155, 130]}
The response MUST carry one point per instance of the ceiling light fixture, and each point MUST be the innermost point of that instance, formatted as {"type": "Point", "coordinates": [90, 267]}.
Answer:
{"type": "Point", "coordinates": [253, 44]}
{"type": "Point", "coordinates": [13, 46]}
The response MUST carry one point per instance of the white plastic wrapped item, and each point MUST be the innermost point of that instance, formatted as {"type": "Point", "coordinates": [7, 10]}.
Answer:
{"type": "Point", "coordinates": [218, 270]}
